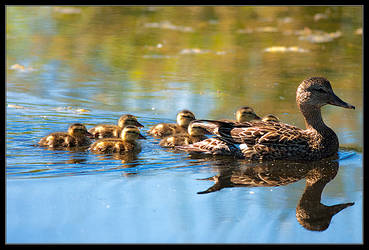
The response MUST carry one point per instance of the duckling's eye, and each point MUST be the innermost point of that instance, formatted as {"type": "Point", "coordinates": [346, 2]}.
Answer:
{"type": "Point", "coordinates": [186, 116]}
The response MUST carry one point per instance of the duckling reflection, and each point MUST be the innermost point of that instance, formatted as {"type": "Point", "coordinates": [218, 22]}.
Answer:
{"type": "Point", "coordinates": [129, 162]}
{"type": "Point", "coordinates": [310, 212]}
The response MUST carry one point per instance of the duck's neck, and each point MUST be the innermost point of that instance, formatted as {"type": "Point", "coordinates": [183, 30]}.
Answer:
{"type": "Point", "coordinates": [323, 136]}
{"type": "Point", "coordinates": [313, 120]}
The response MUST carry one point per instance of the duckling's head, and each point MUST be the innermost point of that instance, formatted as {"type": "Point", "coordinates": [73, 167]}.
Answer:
{"type": "Point", "coordinates": [131, 133]}
{"type": "Point", "coordinates": [184, 118]}
{"type": "Point", "coordinates": [246, 114]}
{"type": "Point", "coordinates": [315, 92]}
{"type": "Point", "coordinates": [270, 117]}
{"type": "Point", "coordinates": [78, 130]}
{"type": "Point", "coordinates": [195, 129]}
{"type": "Point", "coordinates": [127, 119]}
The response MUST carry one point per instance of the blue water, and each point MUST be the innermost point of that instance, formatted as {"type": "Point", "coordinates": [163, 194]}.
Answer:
{"type": "Point", "coordinates": [61, 196]}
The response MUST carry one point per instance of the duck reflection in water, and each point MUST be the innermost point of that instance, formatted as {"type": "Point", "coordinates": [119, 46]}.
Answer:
{"type": "Point", "coordinates": [310, 212]}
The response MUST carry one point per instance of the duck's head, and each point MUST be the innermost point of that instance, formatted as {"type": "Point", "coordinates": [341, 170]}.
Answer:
{"type": "Point", "coordinates": [315, 92]}
{"type": "Point", "coordinates": [131, 133]}
{"type": "Point", "coordinates": [270, 117]}
{"type": "Point", "coordinates": [184, 118]}
{"type": "Point", "coordinates": [246, 114]}
{"type": "Point", "coordinates": [78, 130]}
{"type": "Point", "coordinates": [127, 119]}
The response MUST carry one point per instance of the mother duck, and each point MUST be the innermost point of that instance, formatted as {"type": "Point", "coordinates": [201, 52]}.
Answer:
{"type": "Point", "coordinates": [270, 140]}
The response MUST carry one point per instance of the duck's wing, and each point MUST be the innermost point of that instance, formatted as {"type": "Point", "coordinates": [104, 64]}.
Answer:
{"type": "Point", "coordinates": [213, 146]}
{"type": "Point", "coordinates": [256, 132]}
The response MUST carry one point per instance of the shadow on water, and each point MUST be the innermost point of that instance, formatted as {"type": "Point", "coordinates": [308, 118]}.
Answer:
{"type": "Point", "coordinates": [310, 212]}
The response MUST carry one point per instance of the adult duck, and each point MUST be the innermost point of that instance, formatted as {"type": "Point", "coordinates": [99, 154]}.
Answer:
{"type": "Point", "coordinates": [270, 140]}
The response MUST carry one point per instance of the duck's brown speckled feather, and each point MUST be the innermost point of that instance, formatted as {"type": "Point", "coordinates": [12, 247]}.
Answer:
{"type": "Point", "coordinates": [257, 140]}
{"type": "Point", "coordinates": [213, 146]}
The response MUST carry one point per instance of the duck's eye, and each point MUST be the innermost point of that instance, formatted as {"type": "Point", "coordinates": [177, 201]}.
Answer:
{"type": "Point", "coordinates": [321, 91]}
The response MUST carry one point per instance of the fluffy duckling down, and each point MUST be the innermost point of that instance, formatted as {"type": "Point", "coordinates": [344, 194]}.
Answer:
{"type": "Point", "coordinates": [77, 135]}
{"type": "Point", "coordinates": [126, 142]}
{"type": "Point", "coordinates": [113, 131]}
{"type": "Point", "coordinates": [162, 130]}
{"type": "Point", "coordinates": [195, 134]}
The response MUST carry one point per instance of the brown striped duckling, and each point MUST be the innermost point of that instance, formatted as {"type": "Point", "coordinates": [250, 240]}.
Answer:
{"type": "Point", "coordinates": [195, 134]}
{"type": "Point", "coordinates": [162, 130]}
{"type": "Point", "coordinates": [244, 114]}
{"type": "Point", "coordinates": [260, 140]}
{"type": "Point", "coordinates": [126, 142]}
{"type": "Point", "coordinates": [77, 135]}
{"type": "Point", "coordinates": [270, 118]}
{"type": "Point", "coordinates": [113, 131]}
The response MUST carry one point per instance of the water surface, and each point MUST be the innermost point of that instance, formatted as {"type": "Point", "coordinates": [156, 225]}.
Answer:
{"type": "Point", "coordinates": [93, 64]}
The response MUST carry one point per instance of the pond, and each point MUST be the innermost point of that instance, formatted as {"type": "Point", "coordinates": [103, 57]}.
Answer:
{"type": "Point", "coordinates": [92, 64]}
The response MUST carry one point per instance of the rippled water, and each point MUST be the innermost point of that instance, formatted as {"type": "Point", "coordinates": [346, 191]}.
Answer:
{"type": "Point", "coordinates": [93, 64]}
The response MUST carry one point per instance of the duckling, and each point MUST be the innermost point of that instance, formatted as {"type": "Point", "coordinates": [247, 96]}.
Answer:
{"type": "Point", "coordinates": [271, 118]}
{"type": "Point", "coordinates": [77, 135]}
{"type": "Point", "coordinates": [126, 142]}
{"type": "Point", "coordinates": [113, 131]}
{"type": "Point", "coordinates": [244, 114]}
{"type": "Point", "coordinates": [247, 114]}
{"type": "Point", "coordinates": [162, 130]}
{"type": "Point", "coordinates": [195, 134]}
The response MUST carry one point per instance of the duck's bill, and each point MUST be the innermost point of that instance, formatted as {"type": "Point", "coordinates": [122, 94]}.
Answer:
{"type": "Point", "coordinates": [140, 136]}
{"type": "Point", "coordinates": [139, 125]}
{"type": "Point", "coordinates": [338, 102]}
{"type": "Point", "coordinates": [89, 135]}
